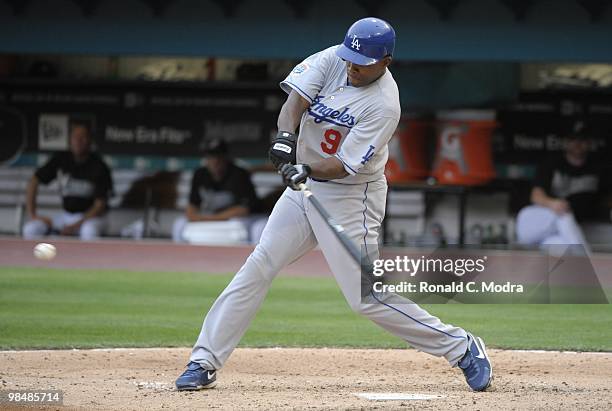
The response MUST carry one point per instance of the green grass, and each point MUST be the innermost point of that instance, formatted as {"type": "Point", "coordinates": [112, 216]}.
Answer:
{"type": "Point", "coordinates": [48, 308]}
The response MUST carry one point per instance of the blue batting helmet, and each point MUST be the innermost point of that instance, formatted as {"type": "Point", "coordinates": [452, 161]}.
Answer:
{"type": "Point", "coordinates": [367, 41]}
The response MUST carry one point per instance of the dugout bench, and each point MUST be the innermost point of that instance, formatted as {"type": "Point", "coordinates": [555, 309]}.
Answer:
{"type": "Point", "coordinates": [153, 199]}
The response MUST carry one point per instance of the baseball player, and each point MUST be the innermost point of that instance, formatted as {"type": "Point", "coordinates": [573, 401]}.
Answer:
{"type": "Point", "coordinates": [566, 192]}
{"type": "Point", "coordinates": [346, 104]}
{"type": "Point", "coordinates": [220, 191]}
{"type": "Point", "coordinates": [85, 186]}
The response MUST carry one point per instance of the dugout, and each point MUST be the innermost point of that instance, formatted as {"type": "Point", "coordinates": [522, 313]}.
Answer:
{"type": "Point", "coordinates": [187, 70]}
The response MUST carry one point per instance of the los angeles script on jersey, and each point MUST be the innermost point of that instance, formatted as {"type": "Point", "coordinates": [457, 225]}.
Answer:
{"type": "Point", "coordinates": [322, 112]}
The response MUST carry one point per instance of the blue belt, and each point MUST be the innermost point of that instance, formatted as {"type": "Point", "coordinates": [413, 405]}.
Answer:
{"type": "Point", "coordinates": [318, 180]}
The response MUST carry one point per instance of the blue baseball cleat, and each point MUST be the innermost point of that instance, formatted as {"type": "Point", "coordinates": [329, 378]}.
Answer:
{"type": "Point", "coordinates": [476, 365]}
{"type": "Point", "coordinates": [196, 378]}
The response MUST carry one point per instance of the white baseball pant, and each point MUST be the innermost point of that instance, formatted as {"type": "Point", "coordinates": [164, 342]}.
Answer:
{"type": "Point", "coordinates": [538, 225]}
{"type": "Point", "coordinates": [90, 230]}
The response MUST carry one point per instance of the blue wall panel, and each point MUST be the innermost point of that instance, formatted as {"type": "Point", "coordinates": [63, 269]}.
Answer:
{"type": "Point", "coordinates": [477, 30]}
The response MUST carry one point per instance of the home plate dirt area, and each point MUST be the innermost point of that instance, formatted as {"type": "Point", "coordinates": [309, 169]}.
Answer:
{"type": "Point", "coordinates": [279, 378]}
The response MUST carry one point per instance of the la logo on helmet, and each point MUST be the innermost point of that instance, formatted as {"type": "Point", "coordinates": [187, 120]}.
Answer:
{"type": "Point", "coordinates": [355, 43]}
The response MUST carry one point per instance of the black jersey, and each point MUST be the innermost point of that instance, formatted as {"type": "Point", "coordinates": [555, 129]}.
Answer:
{"type": "Point", "coordinates": [579, 186]}
{"type": "Point", "coordinates": [234, 189]}
{"type": "Point", "coordinates": [81, 183]}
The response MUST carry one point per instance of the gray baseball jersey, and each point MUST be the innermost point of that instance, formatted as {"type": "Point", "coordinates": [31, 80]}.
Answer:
{"type": "Point", "coordinates": [354, 124]}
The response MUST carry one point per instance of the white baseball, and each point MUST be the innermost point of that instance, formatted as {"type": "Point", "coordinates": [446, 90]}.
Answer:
{"type": "Point", "coordinates": [45, 251]}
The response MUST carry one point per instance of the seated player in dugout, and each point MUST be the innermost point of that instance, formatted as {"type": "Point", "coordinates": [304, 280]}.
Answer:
{"type": "Point", "coordinates": [85, 184]}
{"type": "Point", "coordinates": [220, 191]}
{"type": "Point", "coordinates": [567, 191]}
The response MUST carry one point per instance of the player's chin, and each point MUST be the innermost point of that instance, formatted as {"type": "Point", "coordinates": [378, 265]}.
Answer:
{"type": "Point", "coordinates": [356, 82]}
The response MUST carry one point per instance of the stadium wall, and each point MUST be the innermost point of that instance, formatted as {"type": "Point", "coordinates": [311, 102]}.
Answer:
{"type": "Point", "coordinates": [560, 30]}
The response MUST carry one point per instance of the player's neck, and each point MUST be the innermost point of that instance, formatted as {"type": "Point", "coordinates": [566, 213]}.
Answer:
{"type": "Point", "coordinates": [348, 82]}
{"type": "Point", "coordinates": [575, 160]}
{"type": "Point", "coordinates": [80, 157]}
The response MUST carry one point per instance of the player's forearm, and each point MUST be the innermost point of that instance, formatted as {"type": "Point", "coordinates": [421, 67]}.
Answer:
{"type": "Point", "coordinates": [231, 212]}
{"type": "Point", "coordinates": [97, 209]}
{"type": "Point", "coordinates": [539, 197]}
{"type": "Point", "coordinates": [192, 213]}
{"type": "Point", "coordinates": [291, 112]}
{"type": "Point", "coordinates": [31, 192]}
{"type": "Point", "coordinates": [328, 169]}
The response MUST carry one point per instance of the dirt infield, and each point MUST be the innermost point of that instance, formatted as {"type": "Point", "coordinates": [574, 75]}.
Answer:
{"type": "Point", "coordinates": [310, 379]}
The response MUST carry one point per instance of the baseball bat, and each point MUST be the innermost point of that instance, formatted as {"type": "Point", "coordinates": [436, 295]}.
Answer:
{"type": "Point", "coordinates": [366, 266]}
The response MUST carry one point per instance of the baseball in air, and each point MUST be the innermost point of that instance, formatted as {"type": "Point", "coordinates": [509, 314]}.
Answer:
{"type": "Point", "coordinates": [45, 251]}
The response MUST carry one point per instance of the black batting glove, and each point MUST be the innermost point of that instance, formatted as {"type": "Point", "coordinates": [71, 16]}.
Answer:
{"type": "Point", "coordinates": [282, 149]}
{"type": "Point", "coordinates": [294, 175]}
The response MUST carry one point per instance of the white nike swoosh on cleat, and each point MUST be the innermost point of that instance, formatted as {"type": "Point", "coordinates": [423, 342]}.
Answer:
{"type": "Point", "coordinates": [209, 375]}
{"type": "Point", "coordinates": [481, 348]}
{"type": "Point", "coordinates": [478, 343]}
